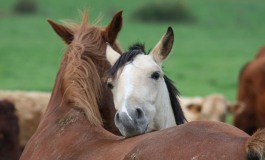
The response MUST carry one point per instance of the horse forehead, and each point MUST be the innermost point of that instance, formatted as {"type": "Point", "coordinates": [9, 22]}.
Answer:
{"type": "Point", "coordinates": [145, 62]}
{"type": "Point", "coordinates": [140, 67]}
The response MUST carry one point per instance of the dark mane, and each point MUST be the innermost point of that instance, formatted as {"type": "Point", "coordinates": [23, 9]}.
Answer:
{"type": "Point", "coordinates": [126, 57]}
{"type": "Point", "coordinates": [173, 94]}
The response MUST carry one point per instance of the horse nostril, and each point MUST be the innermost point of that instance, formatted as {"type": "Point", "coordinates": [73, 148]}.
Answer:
{"type": "Point", "coordinates": [117, 117]}
{"type": "Point", "coordinates": [139, 113]}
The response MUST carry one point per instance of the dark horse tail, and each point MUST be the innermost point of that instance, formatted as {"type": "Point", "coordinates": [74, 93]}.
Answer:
{"type": "Point", "coordinates": [256, 146]}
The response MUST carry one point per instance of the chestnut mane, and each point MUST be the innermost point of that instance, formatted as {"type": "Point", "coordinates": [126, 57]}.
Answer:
{"type": "Point", "coordinates": [81, 82]}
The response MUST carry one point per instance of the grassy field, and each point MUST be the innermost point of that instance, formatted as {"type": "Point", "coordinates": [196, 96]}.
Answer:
{"type": "Point", "coordinates": [206, 58]}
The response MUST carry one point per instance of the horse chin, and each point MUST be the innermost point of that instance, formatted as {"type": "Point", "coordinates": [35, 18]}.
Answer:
{"type": "Point", "coordinates": [131, 132]}
{"type": "Point", "coordinates": [150, 129]}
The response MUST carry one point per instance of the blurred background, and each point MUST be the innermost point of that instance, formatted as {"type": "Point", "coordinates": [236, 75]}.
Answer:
{"type": "Point", "coordinates": [213, 39]}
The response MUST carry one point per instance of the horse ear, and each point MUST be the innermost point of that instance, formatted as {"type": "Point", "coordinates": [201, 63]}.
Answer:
{"type": "Point", "coordinates": [62, 31]}
{"type": "Point", "coordinates": [113, 28]}
{"type": "Point", "coordinates": [236, 108]}
{"type": "Point", "coordinates": [194, 108]}
{"type": "Point", "coordinates": [112, 55]}
{"type": "Point", "coordinates": [164, 46]}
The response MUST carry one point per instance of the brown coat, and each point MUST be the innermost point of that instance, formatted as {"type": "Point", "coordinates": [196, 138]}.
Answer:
{"type": "Point", "coordinates": [251, 93]}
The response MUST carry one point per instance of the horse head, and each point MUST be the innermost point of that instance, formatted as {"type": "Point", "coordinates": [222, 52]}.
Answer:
{"type": "Point", "coordinates": [144, 97]}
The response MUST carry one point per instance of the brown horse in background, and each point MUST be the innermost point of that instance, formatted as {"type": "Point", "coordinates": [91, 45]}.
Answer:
{"type": "Point", "coordinates": [251, 93]}
{"type": "Point", "coordinates": [72, 125]}
{"type": "Point", "coordinates": [9, 132]}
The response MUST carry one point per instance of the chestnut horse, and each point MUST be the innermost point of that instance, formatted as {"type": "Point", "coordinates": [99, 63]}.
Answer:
{"type": "Point", "coordinates": [251, 93]}
{"type": "Point", "coordinates": [72, 125]}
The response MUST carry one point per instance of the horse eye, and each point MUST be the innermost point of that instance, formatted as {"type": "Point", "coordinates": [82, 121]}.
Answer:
{"type": "Point", "coordinates": [155, 75]}
{"type": "Point", "coordinates": [110, 86]}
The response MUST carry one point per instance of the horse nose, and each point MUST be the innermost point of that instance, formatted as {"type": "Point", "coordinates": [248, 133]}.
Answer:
{"type": "Point", "coordinates": [122, 117]}
{"type": "Point", "coordinates": [131, 122]}
{"type": "Point", "coordinates": [136, 116]}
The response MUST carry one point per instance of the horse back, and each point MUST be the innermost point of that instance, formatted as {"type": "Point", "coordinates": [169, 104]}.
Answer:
{"type": "Point", "coordinates": [194, 140]}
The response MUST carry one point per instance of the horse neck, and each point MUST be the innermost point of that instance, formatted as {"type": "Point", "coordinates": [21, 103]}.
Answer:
{"type": "Point", "coordinates": [165, 116]}
{"type": "Point", "coordinates": [57, 95]}
{"type": "Point", "coordinates": [107, 109]}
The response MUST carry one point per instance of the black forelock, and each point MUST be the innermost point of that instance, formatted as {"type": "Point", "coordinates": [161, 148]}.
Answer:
{"type": "Point", "coordinates": [137, 46]}
{"type": "Point", "coordinates": [134, 50]}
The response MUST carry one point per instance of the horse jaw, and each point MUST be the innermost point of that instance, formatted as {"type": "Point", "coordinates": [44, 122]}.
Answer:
{"type": "Point", "coordinates": [164, 117]}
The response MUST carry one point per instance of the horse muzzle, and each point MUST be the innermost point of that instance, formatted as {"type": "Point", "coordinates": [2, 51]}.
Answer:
{"type": "Point", "coordinates": [131, 122]}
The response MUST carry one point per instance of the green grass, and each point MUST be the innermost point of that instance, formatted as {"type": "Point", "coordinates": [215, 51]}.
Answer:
{"type": "Point", "coordinates": [206, 58]}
